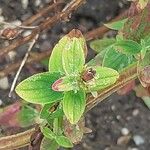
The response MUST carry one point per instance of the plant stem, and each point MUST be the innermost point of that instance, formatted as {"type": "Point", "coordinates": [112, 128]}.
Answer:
{"type": "Point", "coordinates": [16, 141]}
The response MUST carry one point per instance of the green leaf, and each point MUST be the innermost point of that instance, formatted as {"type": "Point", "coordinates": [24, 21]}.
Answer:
{"type": "Point", "coordinates": [147, 41]}
{"type": "Point", "coordinates": [101, 44]}
{"type": "Point", "coordinates": [66, 83]}
{"type": "Point", "coordinates": [64, 141]}
{"type": "Point", "coordinates": [27, 116]}
{"type": "Point", "coordinates": [73, 57]}
{"type": "Point", "coordinates": [146, 100]}
{"type": "Point", "coordinates": [128, 47]}
{"type": "Point", "coordinates": [55, 61]}
{"type": "Point", "coordinates": [103, 78]}
{"type": "Point", "coordinates": [74, 105]}
{"type": "Point", "coordinates": [69, 52]}
{"type": "Point", "coordinates": [116, 60]}
{"type": "Point", "coordinates": [48, 144]}
{"type": "Point", "coordinates": [38, 88]}
{"type": "Point", "coordinates": [98, 59]}
{"type": "Point", "coordinates": [117, 25]}
{"type": "Point", "coordinates": [48, 133]}
{"type": "Point", "coordinates": [45, 111]}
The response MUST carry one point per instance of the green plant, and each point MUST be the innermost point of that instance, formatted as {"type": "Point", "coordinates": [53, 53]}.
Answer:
{"type": "Point", "coordinates": [65, 86]}
{"type": "Point", "coordinates": [63, 91]}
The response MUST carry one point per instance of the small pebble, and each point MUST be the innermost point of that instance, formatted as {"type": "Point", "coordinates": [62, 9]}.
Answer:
{"type": "Point", "coordinates": [26, 33]}
{"type": "Point", "coordinates": [118, 117]}
{"type": "Point", "coordinates": [107, 148]}
{"type": "Point", "coordinates": [24, 3]}
{"type": "Point", "coordinates": [138, 140]}
{"type": "Point", "coordinates": [133, 148]}
{"type": "Point", "coordinates": [135, 112]}
{"type": "Point", "coordinates": [1, 10]}
{"type": "Point", "coordinates": [37, 2]}
{"type": "Point", "coordinates": [124, 131]}
{"type": "Point", "coordinates": [16, 22]}
{"type": "Point", "coordinates": [1, 19]}
{"type": "Point", "coordinates": [1, 102]}
{"type": "Point", "coordinates": [12, 55]}
{"type": "Point", "coordinates": [123, 140]}
{"type": "Point", "coordinates": [4, 85]}
{"type": "Point", "coordinates": [113, 107]}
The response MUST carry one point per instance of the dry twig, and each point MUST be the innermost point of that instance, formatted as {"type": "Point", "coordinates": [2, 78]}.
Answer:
{"type": "Point", "coordinates": [47, 24]}
{"type": "Point", "coordinates": [22, 64]}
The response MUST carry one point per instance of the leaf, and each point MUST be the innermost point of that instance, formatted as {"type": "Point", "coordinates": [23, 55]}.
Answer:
{"type": "Point", "coordinates": [73, 54]}
{"type": "Point", "coordinates": [64, 141]}
{"type": "Point", "coordinates": [9, 115]}
{"type": "Point", "coordinates": [141, 91]}
{"type": "Point", "coordinates": [98, 59]}
{"type": "Point", "coordinates": [137, 26]}
{"type": "Point", "coordinates": [101, 44]}
{"type": "Point", "coordinates": [27, 116]}
{"type": "Point", "coordinates": [127, 47]}
{"type": "Point", "coordinates": [44, 114]}
{"type": "Point", "coordinates": [143, 68]}
{"type": "Point", "coordinates": [48, 133]}
{"type": "Point", "coordinates": [75, 132]}
{"type": "Point", "coordinates": [38, 88]}
{"type": "Point", "coordinates": [66, 83]}
{"type": "Point", "coordinates": [55, 61]}
{"type": "Point", "coordinates": [48, 144]}
{"type": "Point", "coordinates": [103, 78]}
{"type": "Point", "coordinates": [74, 105]}
{"type": "Point", "coordinates": [146, 100]}
{"type": "Point", "coordinates": [56, 114]}
{"type": "Point", "coordinates": [117, 25]}
{"type": "Point", "coordinates": [72, 44]}
{"type": "Point", "coordinates": [116, 60]}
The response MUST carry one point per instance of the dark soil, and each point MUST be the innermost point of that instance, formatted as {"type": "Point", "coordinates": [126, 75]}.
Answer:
{"type": "Point", "coordinates": [110, 117]}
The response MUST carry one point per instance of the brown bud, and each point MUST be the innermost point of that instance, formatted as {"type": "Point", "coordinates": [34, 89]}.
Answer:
{"type": "Point", "coordinates": [88, 74]}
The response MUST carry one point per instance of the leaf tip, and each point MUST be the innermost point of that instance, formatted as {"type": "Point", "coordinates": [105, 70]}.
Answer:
{"type": "Point", "coordinates": [75, 33]}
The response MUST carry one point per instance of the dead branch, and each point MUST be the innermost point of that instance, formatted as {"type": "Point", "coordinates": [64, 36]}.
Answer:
{"type": "Point", "coordinates": [42, 12]}
{"type": "Point", "coordinates": [16, 141]}
{"type": "Point", "coordinates": [100, 31]}
{"type": "Point", "coordinates": [12, 67]}
{"type": "Point", "coordinates": [22, 64]}
{"type": "Point", "coordinates": [47, 24]}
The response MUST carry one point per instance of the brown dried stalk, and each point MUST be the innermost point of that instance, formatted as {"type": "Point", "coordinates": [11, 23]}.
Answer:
{"type": "Point", "coordinates": [16, 141]}
{"type": "Point", "coordinates": [47, 24]}
{"type": "Point", "coordinates": [42, 12]}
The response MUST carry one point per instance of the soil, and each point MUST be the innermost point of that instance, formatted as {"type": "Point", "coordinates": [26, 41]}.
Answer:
{"type": "Point", "coordinates": [113, 118]}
